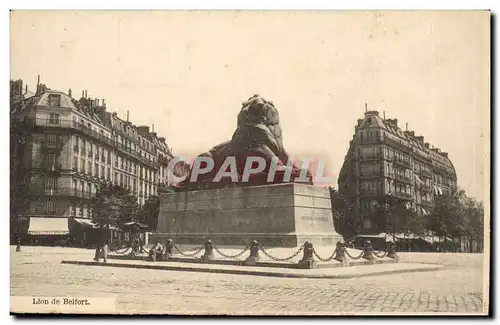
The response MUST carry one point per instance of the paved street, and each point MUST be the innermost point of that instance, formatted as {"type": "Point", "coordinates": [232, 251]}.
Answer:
{"type": "Point", "coordinates": [38, 272]}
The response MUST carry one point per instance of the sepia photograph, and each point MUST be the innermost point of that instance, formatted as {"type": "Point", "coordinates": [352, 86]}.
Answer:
{"type": "Point", "coordinates": [250, 162]}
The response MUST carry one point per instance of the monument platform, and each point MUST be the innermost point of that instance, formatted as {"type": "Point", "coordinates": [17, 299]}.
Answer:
{"type": "Point", "coordinates": [324, 273]}
{"type": "Point", "coordinates": [279, 215]}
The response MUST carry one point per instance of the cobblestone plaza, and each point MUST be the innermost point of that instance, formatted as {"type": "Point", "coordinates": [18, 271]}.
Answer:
{"type": "Point", "coordinates": [37, 271]}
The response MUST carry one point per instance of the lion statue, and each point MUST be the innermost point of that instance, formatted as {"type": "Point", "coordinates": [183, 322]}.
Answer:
{"type": "Point", "coordinates": [258, 134]}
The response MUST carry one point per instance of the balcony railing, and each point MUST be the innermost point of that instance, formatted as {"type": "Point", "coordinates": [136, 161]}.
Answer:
{"type": "Point", "coordinates": [370, 156]}
{"type": "Point", "coordinates": [395, 143]}
{"type": "Point", "coordinates": [370, 141]}
{"type": "Point", "coordinates": [71, 124]}
{"type": "Point", "coordinates": [401, 161]}
{"type": "Point", "coordinates": [369, 175]}
{"type": "Point", "coordinates": [58, 145]}
{"type": "Point", "coordinates": [403, 195]}
{"type": "Point", "coordinates": [369, 192]}
{"type": "Point", "coordinates": [51, 167]}
{"type": "Point", "coordinates": [404, 179]}
{"type": "Point", "coordinates": [69, 192]}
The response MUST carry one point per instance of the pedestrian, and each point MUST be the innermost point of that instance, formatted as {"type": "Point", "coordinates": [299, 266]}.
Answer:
{"type": "Point", "coordinates": [102, 244]}
{"type": "Point", "coordinates": [156, 251]}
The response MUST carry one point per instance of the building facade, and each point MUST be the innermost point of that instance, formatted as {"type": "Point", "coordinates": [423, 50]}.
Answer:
{"type": "Point", "coordinates": [385, 161]}
{"type": "Point", "coordinates": [63, 149]}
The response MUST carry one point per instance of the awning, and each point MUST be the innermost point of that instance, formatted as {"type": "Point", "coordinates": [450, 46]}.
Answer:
{"type": "Point", "coordinates": [135, 223]}
{"type": "Point", "coordinates": [48, 226]}
{"type": "Point", "coordinates": [84, 222]}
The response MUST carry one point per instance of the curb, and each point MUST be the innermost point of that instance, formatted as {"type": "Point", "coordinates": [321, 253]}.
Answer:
{"type": "Point", "coordinates": [319, 264]}
{"type": "Point", "coordinates": [248, 272]}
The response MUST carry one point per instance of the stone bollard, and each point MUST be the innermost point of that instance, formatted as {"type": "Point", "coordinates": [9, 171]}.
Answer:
{"type": "Point", "coordinates": [169, 246]}
{"type": "Point", "coordinates": [209, 251]}
{"type": "Point", "coordinates": [391, 251]}
{"type": "Point", "coordinates": [307, 261]}
{"type": "Point", "coordinates": [340, 254]}
{"type": "Point", "coordinates": [254, 254]}
{"type": "Point", "coordinates": [368, 252]}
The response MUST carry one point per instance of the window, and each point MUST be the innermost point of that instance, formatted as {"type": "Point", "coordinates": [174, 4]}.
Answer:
{"type": "Point", "coordinates": [54, 118]}
{"type": "Point", "coordinates": [96, 169]}
{"type": "Point", "coordinates": [75, 147]}
{"type": "Point", "coordinates": [51, 161]}
{"type": "Point", "coordinates": [50, 183]}
{"type": "Point", "coordinates": [54, 100]}
{"type": "Point", "coordinates": [89, 167]}
{"type": "Point", "coordinates": [97, 156]}
{"type": "Point", "coordinates": [75, 163]}
{"type": "Point", "coordinates": [82, 165]}
{"type": "Point", "coordinates": [121, 180]}
{"type": "Point", "coordinates": [51, 139]}
{"type": "Point", "coordinates": [50, 206]}
{"type": "Point", "coordinates": [102, 171]}
{"type": "Point", "coordinates": [116, 178]}
{"type": "Point", "coordinates": [109, 174]}
{"type": "Point", "coordinates": [109, 157]}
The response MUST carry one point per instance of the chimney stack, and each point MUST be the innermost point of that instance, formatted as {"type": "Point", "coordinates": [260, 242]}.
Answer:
{"type": "Point", "coordinates": [38, 85]}
{"type": "Point", "coordinates": [83, 93]}
{"type": "Point", "coordinates": [103, 103]}
{"type": "Point", "coordinates": [384, 115]}
{"type": "Point", "coordinates": [143, 130]}
{"type": "Point", "coordinates": [26, 89]}
{"type": "Point", "coordinates": [420, 138]}
{"type": "Point", "coordinates": [427, 145]}
{"type": "Point", "coordinates": [161, 139]}
{"type": "Point", "coordinates": [127, 115]}
{"type": "Point", "coordinates": [69, 93]}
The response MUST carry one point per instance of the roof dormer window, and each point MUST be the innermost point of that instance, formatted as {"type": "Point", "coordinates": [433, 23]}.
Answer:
{"type": "Point", "coordinates": [54, 100]}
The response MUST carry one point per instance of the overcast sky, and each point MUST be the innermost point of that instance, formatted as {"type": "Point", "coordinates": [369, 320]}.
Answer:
{"type": "Point", "coordinates": [188, 73]}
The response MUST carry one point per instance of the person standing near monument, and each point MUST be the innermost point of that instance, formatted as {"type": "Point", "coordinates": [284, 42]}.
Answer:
{"type": "Point", "coordinates": [102, 244]}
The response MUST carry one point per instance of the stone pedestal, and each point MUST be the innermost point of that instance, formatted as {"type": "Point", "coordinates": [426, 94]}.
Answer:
{"type": "Point", "coordinates": [282, 215]}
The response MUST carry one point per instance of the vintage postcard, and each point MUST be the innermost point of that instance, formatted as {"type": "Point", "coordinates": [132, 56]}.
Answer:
{"type": "Point", "coordinates": [250, 162]}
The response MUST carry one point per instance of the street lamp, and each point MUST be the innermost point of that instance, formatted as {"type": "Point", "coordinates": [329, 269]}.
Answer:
{"type": "Point", "coordinates": [18, 219]}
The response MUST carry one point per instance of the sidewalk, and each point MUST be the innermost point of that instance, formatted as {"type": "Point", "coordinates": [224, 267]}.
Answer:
{"type": "Point", "coordinates": [324, 273]}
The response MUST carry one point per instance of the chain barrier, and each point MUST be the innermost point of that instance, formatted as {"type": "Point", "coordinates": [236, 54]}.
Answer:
{"type": "Point", "coordinates": [117, 251]}
{"type": "Point", "coordinates": [324, 259]}
{"type": "Point", "coordinates": [189, 254]}
{"type": "Point", "coordinates": [352, 257]}
{"type": "Point", "coordinates": [231, 256]}
{"type": "Point", "coordinates": [301, 248]}
{"type": "Point", "coordinates": [380, 254]}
